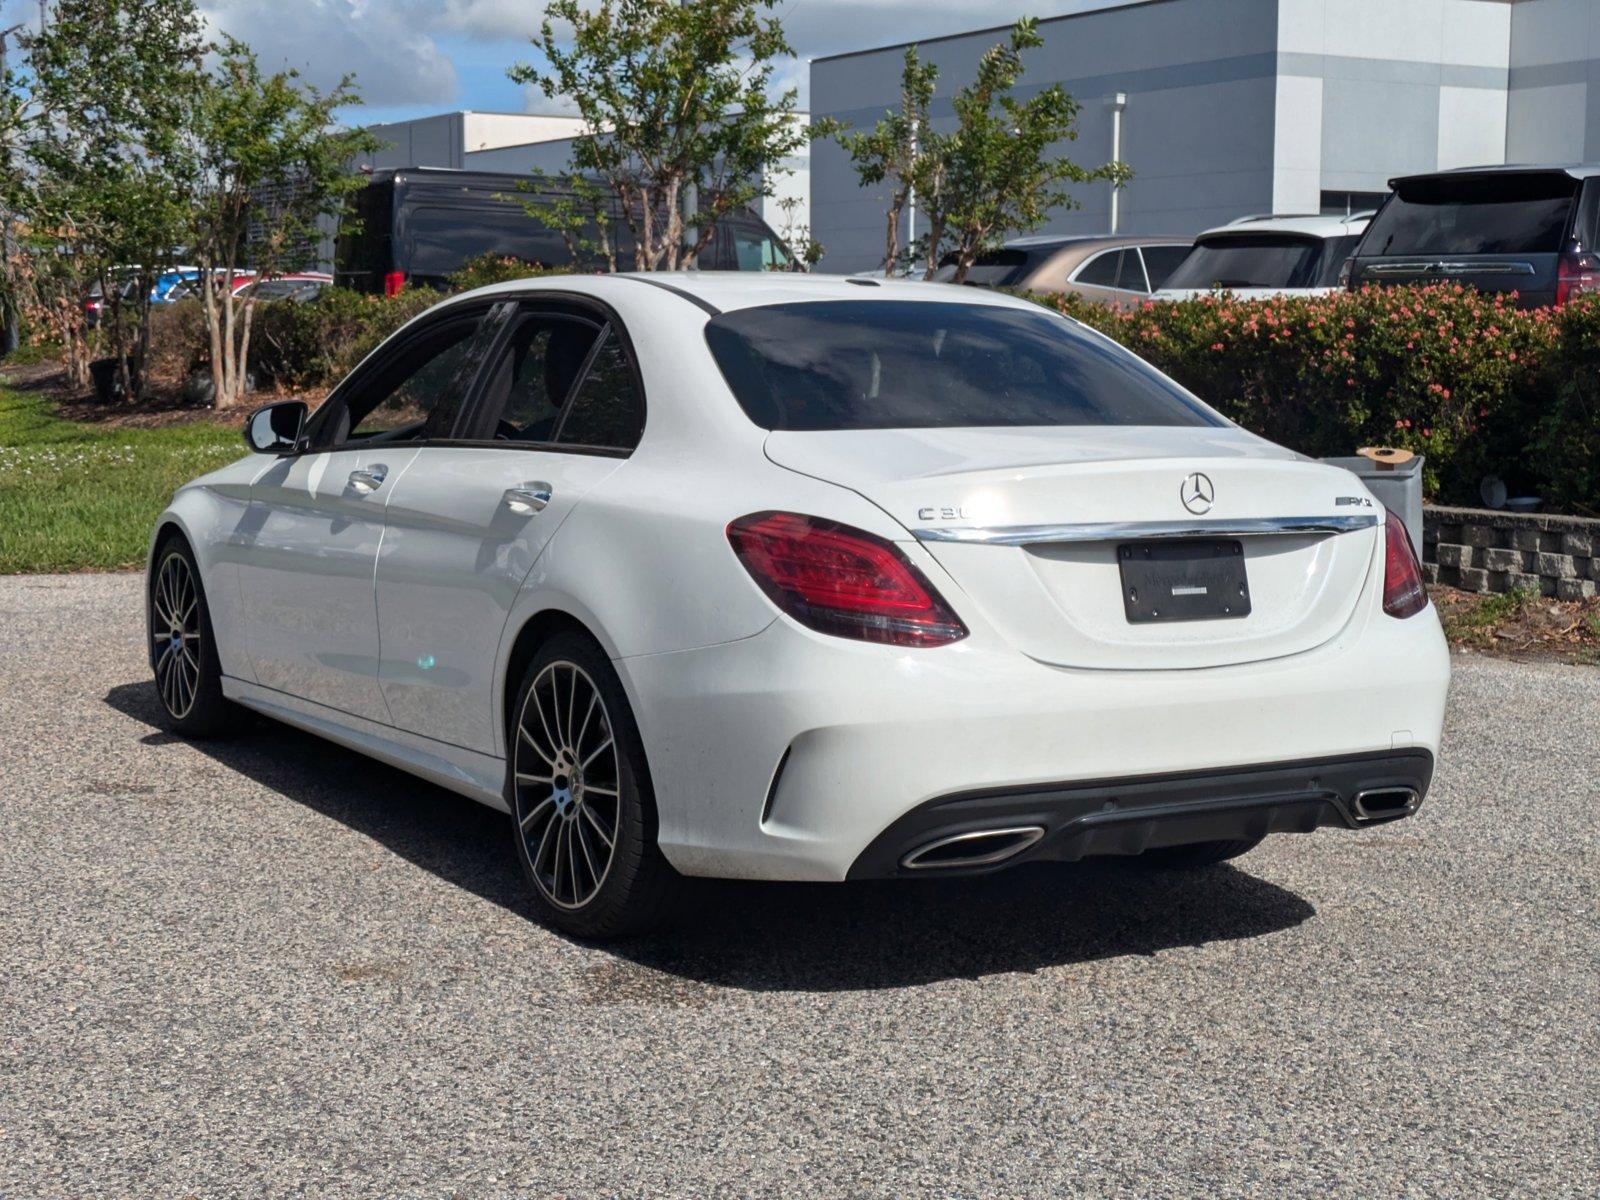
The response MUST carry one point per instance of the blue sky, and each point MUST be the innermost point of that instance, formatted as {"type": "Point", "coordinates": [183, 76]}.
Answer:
{"type": "Point", "coordinates": [415, 57]}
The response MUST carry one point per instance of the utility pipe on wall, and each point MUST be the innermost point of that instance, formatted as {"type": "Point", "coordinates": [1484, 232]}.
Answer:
{"type": "Point", "coordinates": [1116, 103]}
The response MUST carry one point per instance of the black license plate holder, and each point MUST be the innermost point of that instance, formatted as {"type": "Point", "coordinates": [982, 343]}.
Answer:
{"type": "Point", "coordinates": [1184, 580]}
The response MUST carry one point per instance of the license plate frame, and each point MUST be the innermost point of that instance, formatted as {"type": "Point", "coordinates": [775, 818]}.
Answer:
{"type": "Point", "coordinates": [1184, 579]}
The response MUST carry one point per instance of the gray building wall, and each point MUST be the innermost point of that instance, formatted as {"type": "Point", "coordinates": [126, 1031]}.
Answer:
{"type": "Point", "coordinates": [1553, 109]}
{"type": "Point", "coordinates": [1246, 106]}
{"type": "Point", "coordinates": [424, 142]}
{"type": "Point", "coordinates": [1200, 80]}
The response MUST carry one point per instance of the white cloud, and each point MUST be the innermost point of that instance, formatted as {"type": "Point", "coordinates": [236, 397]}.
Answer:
{"type": "Point", "coordinates": [400, 50]}
{"type": "Point", "coordinates": [384, 43]}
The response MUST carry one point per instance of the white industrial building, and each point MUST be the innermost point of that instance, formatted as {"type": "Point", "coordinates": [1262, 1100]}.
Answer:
{"type": "Point", "coordinates": [1228, 107]}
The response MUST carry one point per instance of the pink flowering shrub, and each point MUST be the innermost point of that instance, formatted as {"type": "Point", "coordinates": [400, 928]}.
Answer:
{"type": "Point", "coordinates": [1565, 426]}
{"type": "Point", "coordinates": [1462, 377]}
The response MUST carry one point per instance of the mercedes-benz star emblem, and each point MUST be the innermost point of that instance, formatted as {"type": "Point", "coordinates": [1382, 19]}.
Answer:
{"type": "Point", "coordinates": [1197, 493]}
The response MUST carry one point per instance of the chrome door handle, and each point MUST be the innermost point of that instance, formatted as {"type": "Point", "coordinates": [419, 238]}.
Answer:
{"type": "Point", "coordinates": [529, 498]}
{"type": "Point", "coordinates": [369, 479]}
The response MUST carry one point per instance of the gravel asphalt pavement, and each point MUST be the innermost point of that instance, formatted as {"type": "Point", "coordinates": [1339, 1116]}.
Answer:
{"type": "Point", "coordinates": [272, 967]}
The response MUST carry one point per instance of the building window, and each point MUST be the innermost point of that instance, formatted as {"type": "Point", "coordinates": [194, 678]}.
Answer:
{"type": "Point", "coordinates": [1343, 204]}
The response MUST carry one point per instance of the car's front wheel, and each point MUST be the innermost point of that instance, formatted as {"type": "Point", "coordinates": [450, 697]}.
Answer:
{"type": "Point", "coordinates": [580, 796]}
{"type": "Point", "coordinates": [183, 649]}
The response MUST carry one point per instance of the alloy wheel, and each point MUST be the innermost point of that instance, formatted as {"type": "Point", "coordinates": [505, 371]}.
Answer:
{"type": "Point", "coordinates": [568, 777]}
{"type": "Point", "coordinates": [175, 629]}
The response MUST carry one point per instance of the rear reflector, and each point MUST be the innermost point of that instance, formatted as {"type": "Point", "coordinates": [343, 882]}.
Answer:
{"type": "Point", "coordinates": [842, 581]}
{"type": "Point", "coordinates": [1403, 593]}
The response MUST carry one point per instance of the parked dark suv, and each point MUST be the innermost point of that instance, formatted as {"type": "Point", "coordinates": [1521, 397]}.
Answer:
{"type": "Point", "coordinates": [418, 225]}
{"type": "Point", "coordinates": [1534, 231]}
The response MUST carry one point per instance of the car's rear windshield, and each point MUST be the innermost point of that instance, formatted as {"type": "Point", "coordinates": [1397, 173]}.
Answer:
{"type": "Point", "coordinates": [994, 268]}
{"type": "Point", "coordinates": [1497, 214]}
{"type": "Point", "coordinates": [1249, 261]}
{"type": "Point", "coordinates": [906, 364]}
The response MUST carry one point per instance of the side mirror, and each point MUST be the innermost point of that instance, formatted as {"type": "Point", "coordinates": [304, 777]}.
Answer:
{"type": "Point", "coordinates": [277, 428]}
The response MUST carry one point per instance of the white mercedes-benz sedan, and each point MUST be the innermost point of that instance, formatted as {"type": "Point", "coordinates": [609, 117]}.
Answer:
{"type": "Point", "coordinates": [788, 577]}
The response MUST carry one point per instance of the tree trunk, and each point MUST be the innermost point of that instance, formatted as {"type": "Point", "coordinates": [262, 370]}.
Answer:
{"type": "Point", "coordinates": [230, 359]}
{"type": "Point", "coordinates": [935, 238]}
{"type": "Point", "coordinates": [891, 242]}
{"type": "Point", "coordinates": [245, 324]}
{"type": "Point", "coordinates": [213, 335]}
{"type": "Point", "coordinates": [672, 240]}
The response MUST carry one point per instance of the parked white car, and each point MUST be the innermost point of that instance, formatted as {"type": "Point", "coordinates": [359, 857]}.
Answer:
{"type": "Point", "coordinates": [1257, 258]}
{"type": "Point", "coordinates": [797, 577]}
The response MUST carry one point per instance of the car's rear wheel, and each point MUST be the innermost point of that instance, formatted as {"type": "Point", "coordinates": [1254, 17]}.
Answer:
{"type": "Point", "coordinates": [183, 652]}
{"type": "Point", "coordinates": [1200, 854]}
{"type": "Point", "coordinates": [580, 794]}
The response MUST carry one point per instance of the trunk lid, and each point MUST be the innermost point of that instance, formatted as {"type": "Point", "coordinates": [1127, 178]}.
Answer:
{"type": "Point", "coordinates": [1028, 522]}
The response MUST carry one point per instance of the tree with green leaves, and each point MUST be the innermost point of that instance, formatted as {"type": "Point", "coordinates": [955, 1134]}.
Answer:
{"type": "Point", "coordinates": [993, 173]}
{"type": "Point", "coordinates": [899, 151]}
{"type": "Point", "coordinates": [112, 81]}
{"type": "Point", "coordinates": [270, 166]}
{"type": "Point", "coordinates": [577, 208]}
{"type": "Point", "coordinates": [682, 124]}
{"type": "Point", "coordinates": [796, 234]}
{"type": "Point", "coordinates": [997, 172]}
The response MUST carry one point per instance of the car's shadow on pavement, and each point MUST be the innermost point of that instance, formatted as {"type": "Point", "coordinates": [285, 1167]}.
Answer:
{"type": "Point", "coordinates": [767, 936]}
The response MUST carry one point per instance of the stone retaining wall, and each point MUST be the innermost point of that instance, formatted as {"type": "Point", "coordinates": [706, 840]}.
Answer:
{"type": "Point", "coordinates": [1483, 550]}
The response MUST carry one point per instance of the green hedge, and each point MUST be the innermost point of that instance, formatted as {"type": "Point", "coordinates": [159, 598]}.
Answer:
{"type": "Point", "coordinates": [1474, 383]}
{"type": "Point", "coordinates": [314, 343]}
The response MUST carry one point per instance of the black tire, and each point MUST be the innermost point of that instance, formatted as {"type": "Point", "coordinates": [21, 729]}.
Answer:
{"type": "Point", "coordinates": [183, 649]}
{"type": "Point", "coordinates": [559, 783]}
{"type": "Point", "coordinates": [1200, 854]}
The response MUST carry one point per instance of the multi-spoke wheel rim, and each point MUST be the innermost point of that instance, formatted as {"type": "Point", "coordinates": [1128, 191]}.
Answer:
{"type": "Point", "coordinates": [175, 628]}
{"type": "Point", "coordinates": [568, 785]}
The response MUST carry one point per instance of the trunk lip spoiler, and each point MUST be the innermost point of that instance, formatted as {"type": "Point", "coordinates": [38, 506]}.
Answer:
{"type": "Point", "coordinates": [1030, 535]}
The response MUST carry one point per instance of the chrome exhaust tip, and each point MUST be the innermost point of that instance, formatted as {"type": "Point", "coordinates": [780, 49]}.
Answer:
{"type": "Point", "coordinates": [978, 848]}
{"type": "Point", "coordinates": [1384, 804]}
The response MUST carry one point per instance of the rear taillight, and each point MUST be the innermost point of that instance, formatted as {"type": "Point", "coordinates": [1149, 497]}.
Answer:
{"type": "Point", "coordinates": [393, 283]}
{"type": "Point", "coordinates": [1403, 593]}
{"type": "Point", "coordinates": [1577, 274]}
{"type": "Point", "coordinates": [842, 581]}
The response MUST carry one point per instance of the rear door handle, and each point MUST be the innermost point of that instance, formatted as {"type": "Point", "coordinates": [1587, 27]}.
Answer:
{"type": "Point", "coordinates": [369, 479]}
{"type": "Point", "coordinates": [529, 498]}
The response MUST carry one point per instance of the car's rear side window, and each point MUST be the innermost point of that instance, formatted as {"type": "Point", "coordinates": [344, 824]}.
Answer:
{"type": "Point", "coordinates": [1257, 260]}
{"type": "Point", "coordinates": [1497, 214]}
{"type": "Point", "coordinates": [993, 268]}
{"type": "Point", "coordinates": [905, 364]}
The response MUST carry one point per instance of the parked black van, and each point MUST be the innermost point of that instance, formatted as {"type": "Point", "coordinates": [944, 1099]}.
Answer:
{"type": "Point", "coordinates": [418, 225]}
{"type": "Point", "coordinates": [1534, 231]}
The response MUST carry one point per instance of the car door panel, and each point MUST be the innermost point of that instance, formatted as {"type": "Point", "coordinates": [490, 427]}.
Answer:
{"type": "Point", "coordinates": [309, 549]}
{"type": "Point", "coordinates": [305, 576]}
{"type": "Point", "coordinates": [560, 410]}
{"type": "Point", "coordinates": [460, 541]}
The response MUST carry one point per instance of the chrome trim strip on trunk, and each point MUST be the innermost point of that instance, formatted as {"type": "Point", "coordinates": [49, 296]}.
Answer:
{"type": "Point", "coordinates": [1451, 268]}
{"type": "Point", "coordinates": [1031, 535]}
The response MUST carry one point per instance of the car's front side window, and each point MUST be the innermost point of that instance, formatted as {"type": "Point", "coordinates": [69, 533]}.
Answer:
{"type": "Point", "coordinates": [416, 392]}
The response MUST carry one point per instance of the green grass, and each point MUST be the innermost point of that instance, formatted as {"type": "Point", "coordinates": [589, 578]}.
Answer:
{"type": "Point", "coordinates": [76, 497]}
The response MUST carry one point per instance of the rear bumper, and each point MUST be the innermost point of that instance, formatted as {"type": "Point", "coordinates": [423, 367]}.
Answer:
{"type": "Point", "coordinates": [788, 755]}
{"type": "Point", "coordinates": [977, 832]}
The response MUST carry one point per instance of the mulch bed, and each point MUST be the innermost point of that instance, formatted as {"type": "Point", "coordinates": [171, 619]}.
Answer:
{"type": "Point", "coordinates": [1532, 628]}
